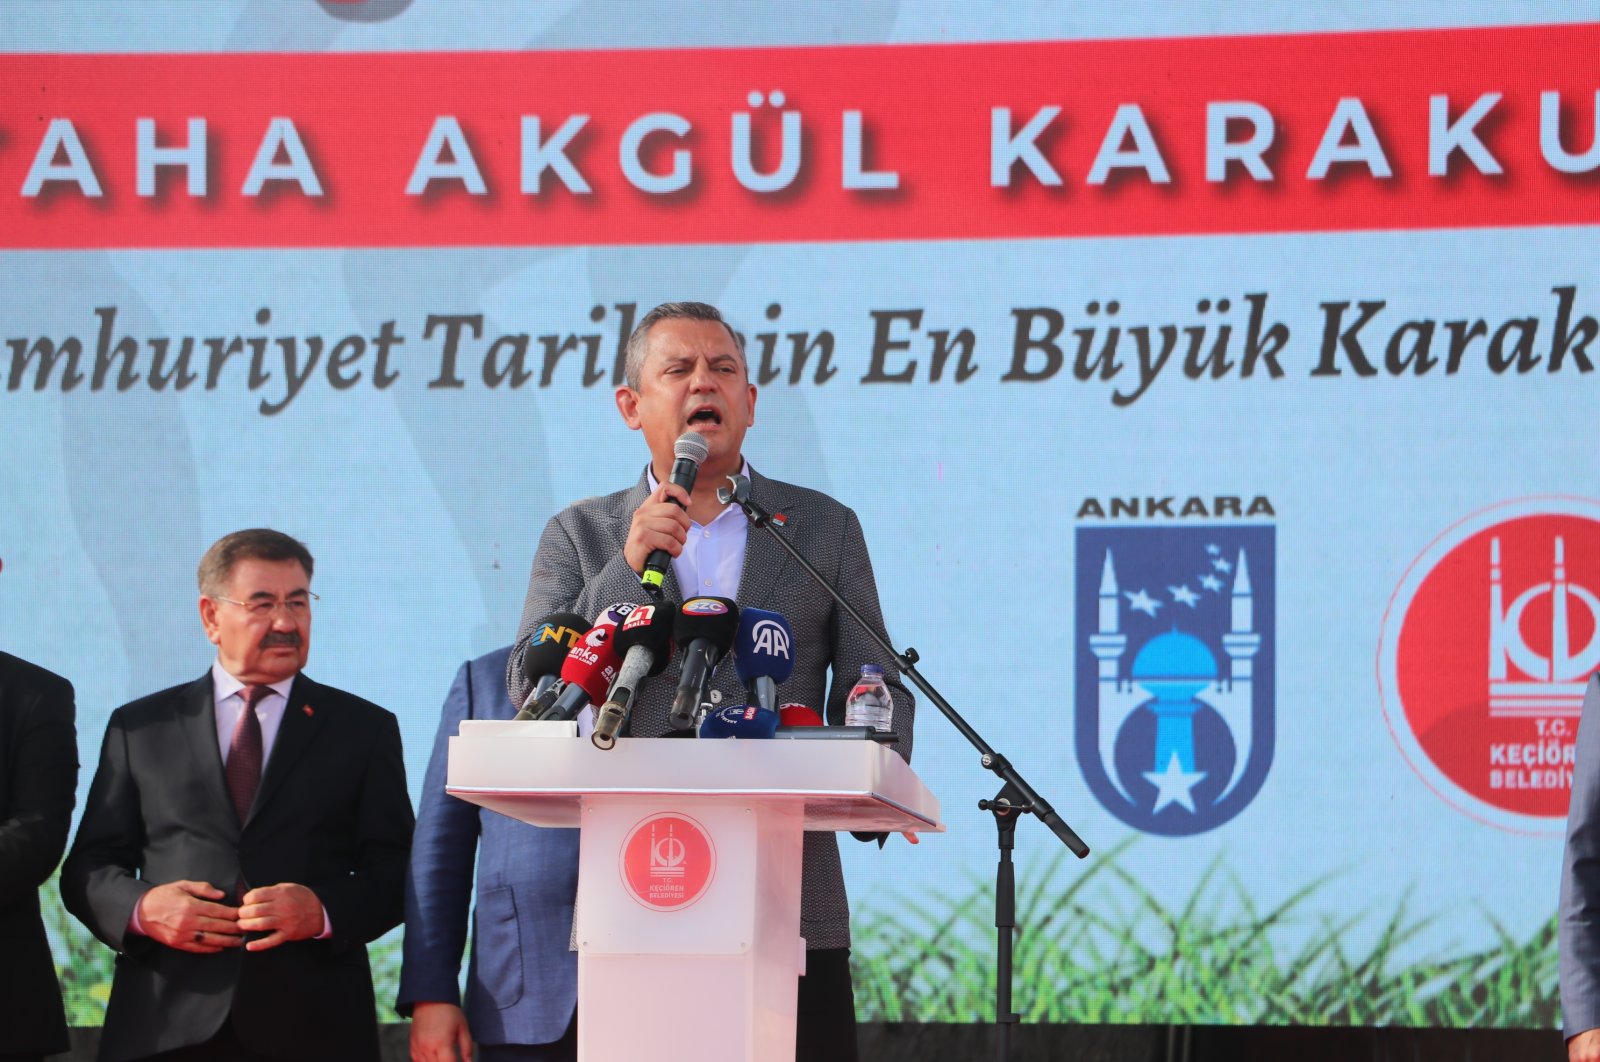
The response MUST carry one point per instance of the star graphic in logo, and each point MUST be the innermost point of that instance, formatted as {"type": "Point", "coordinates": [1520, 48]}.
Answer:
{"type": "Point", "coordinates": [1174, 785]}
{"type": "Point", "coordinates": [1212, 583]}
{"type": "Point", "coordinates": [1142, 602]}
{"type": "Point", "coordinates": [1183, 594]}
{"type": "Point", "coordinates": [1214, 549]}
{"type": "Point", "coordinates": [1221, 565]}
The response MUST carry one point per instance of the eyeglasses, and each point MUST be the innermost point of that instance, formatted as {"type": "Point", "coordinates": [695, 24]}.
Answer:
{"type": "Point", "coordinates": [297, 607]}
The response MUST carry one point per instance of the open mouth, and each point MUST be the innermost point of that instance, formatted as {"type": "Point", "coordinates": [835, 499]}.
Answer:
{"type": "Point", "coordinates": [703, 416]}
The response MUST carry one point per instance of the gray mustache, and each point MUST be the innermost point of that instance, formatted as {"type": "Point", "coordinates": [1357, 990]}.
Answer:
{"type": "Point", "coordinates": [290, 638]}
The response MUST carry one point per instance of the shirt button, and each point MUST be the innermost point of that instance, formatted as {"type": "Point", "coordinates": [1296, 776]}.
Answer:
{"type": "Point", "coordinates": [707, 582]}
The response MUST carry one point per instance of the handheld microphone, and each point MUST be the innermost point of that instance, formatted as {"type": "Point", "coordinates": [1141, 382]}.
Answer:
{"type": "Point", "coordinates": [763, 655]}
{"type": "Point", "coordinates": [739, 721]}
{"type": "Point", "coordinates": [541, 659]}
{"type": "Point", "coordinates": [586, 673]}
{"type": "Point", "coordinates": [689, 451]}
{"type": "Point", "coordinates": [705, 629]}
{"type": "Point", "coordinates": [645, 642]}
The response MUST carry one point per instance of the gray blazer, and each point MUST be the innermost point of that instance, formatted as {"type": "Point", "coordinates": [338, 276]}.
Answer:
{"type": "Point", "coordinates": [1580, 879]}
{"type": "Point", "coordinates": [579, 567]}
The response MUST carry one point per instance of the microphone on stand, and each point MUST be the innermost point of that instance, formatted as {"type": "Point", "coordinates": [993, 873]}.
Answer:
{"type": "Point", "coordinates": [544, 653]}
{"type": "Point", "coordinates": [690, 449]}
{"type": "Point", "coordinates": [645, 642]}
{"type": "Point", "coordinates": [704, 631]}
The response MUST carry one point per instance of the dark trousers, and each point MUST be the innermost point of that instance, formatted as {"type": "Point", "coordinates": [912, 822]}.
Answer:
{"type": "Point", "coordinates": [225, 1046]}
{"type": "Point", "coordinates": [825, 1023]}
{"type": "Point", "coordinates": [825, 1026]}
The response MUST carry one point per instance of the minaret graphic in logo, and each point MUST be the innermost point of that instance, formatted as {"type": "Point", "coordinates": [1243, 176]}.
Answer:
{"type": "Point", "coordinates": [666, 851]}
{"type": "Point", "coordinates": [1485, 651]}
{"type": "Point", "coordinates": [667, 861]}
{"type": "Point", "coordinates": [1174, 720]}
{"type": "Point", "coordinates": [1549, 685]}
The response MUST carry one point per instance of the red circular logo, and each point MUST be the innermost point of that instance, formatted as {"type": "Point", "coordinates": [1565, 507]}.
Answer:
{"type": "Point", "coordinates": [1486, 648]}
{"type": "Point", "coordinates": [668, 861]}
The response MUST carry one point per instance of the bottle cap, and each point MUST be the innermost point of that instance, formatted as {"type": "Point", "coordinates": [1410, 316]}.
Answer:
{"type": "Point", "coordinates": [872, 669]}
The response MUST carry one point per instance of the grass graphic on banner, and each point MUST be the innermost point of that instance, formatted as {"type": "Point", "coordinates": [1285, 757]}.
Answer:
{"type": "Point", "coordinates": [1217, 959]}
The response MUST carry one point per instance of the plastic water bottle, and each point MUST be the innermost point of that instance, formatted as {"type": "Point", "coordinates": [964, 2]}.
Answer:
{"type": "Point", "coordinates": [869, 703]}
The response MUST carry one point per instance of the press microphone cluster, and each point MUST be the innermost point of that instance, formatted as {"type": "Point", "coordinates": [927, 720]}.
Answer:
{"type": "Point", "coordinates": [645, 642]}
{"type": "Point", "coordinates": [586, 671]}
{"type": "Point", "coordinates": [688, 452]}
{"type": "Point", "coordinates": [553, 637]}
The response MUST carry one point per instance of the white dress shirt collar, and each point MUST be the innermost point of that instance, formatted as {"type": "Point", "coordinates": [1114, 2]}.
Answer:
{"type": "Point", "coordinates": [229, 702]}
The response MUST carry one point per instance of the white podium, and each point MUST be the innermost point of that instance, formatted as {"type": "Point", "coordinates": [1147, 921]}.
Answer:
{"type": "Point", "coordinates": [688, 911]}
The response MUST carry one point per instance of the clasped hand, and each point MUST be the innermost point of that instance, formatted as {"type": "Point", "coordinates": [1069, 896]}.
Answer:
{"type": "Point", "coordinates": [187, 915]}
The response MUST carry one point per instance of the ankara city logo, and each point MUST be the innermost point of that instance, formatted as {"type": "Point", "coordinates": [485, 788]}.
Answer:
{"type": "Point", "coordinates": [1485, 650]}
{"type": "Point", "coordinates": [1174, 677]}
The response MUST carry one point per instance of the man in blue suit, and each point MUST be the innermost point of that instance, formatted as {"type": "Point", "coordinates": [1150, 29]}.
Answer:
{"type": "Point", "coordinates": [522, 982]}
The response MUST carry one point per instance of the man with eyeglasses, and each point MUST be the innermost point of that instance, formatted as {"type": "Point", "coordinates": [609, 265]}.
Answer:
{"type": "Point", "coordinates": [245, 837]}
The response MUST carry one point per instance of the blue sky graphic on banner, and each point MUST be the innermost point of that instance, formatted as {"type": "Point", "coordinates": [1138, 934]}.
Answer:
{"type": "Point", "coordinates": [1175, 671]}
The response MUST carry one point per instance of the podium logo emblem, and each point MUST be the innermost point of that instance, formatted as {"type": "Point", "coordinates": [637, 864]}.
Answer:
{"type": "Point", "coordinates": [1486, 647]}
{"type": "Point", "coordinates": [1174, 678]}
{"type": "Point", "coordinates": [668, 861]}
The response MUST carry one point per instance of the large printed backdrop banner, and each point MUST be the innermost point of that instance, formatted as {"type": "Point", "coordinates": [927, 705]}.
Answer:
{"type": "Point", "coordinates": [1215, 386]}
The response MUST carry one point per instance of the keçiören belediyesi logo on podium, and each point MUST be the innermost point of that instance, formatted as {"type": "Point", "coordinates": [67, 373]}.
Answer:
{"type": "Point", "coordinates": [667, 861]}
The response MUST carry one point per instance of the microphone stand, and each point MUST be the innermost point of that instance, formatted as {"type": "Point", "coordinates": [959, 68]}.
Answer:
{"type": "Point", "coordinates": [1015, 798]}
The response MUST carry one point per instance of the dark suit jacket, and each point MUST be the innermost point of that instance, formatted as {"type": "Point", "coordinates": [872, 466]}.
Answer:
{"type": "Point", "coordinates": [38, 784]}
{"type": "Point", "coordinates": [1579, 924]}
{"type": "Point", "coordinates": [522, 982]}
{"type": "Point", "coordinates": [579, 567]}
{"type": "Point", "coordinates": [332, 813]}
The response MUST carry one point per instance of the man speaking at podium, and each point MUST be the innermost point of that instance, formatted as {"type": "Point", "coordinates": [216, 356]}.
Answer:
{"type": "Point", "coordinates": [686, 371]}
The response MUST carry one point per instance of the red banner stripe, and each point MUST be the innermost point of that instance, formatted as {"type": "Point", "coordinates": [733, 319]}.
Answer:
{"type": "Point", "coordinates": [927, 112]}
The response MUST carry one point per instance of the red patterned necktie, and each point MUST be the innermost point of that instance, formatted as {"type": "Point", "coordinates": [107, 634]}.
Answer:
{"type": "Point", "coordinates": [244, 752]}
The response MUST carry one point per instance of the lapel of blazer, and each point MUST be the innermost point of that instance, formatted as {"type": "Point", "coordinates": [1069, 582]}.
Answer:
{"type": "Point", "coordinates": [302, 719]}
{"type": "Point", "coordinates": [765, 561]}
{"type": "Point", "coordinates": [197, 719]}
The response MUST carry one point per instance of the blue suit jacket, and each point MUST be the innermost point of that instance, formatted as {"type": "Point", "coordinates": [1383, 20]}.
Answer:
{"type": "Point", "coordinates": [522, 983]}
{"type": "Point", "coordinates": [1579, 929]}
